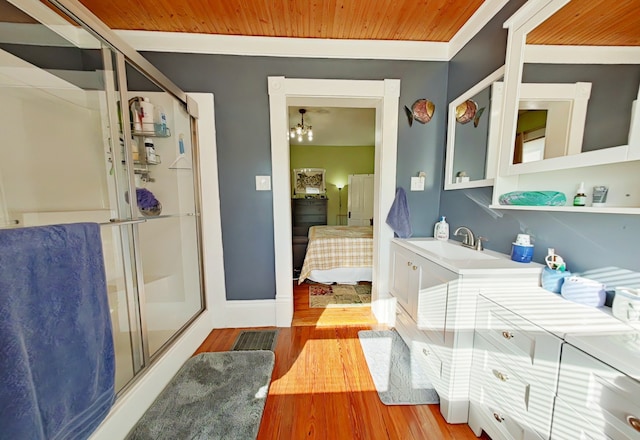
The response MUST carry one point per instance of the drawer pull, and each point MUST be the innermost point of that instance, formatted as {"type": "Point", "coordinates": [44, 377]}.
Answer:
{"type": "Point", "coordinates": [498, 417]}
{"type": "Point", "coordinates": [409, 263]}
{"type": "Point", "coordinates": [503, 377]}
{"type": "Point", "coordinates": [507, 335]}
{"type": "Point", "coordinates": [426, 352]}
{"type": "Point", "coordinates": [415, 267]}
{"type": "Point", "coordinates": [634, 422]}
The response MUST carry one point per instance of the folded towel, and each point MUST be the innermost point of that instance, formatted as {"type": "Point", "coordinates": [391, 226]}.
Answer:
{"type": "Point", "coordinates": [56, 346]}
{"type": "Point", "coordinates": [533, 198]}
{"type": "Point", "coordinates": [398, 217]}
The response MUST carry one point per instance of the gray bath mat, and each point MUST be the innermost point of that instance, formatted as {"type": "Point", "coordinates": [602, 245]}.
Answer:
{"type": "Point", "coordinates": [397, 380]}
{"type": "Point", "coordinates": [213, 396]}
{"type": "Point", "coordinates": [255, 340]}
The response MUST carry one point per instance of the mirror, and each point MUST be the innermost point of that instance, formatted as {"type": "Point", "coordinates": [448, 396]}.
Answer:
{"type": "Point", "coordinates": [472, 142]}
{"type": "Point", "coordinates": [551, 121]}
{"type": "Point", "coordinates": [557, 51]}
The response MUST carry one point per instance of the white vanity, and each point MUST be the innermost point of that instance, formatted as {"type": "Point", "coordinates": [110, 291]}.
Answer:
{"type": "Point", "coordinates": [507, 356]}
{"type": "Point", "coordinates": [531, 380]}
{"type": "Point", "coordinates": [436, 285]}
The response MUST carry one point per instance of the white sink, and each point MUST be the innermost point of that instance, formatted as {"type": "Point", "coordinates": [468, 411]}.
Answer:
{"type": "Point", "coordinates": [449, 250]}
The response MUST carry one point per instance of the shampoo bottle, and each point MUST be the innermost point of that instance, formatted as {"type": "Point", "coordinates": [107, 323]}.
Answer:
{"type": "Point", "coordinates": [441, 230]}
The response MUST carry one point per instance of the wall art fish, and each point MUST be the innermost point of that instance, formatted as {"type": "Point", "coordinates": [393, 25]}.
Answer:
{"type": "Point", "coordinates": [422, 111]}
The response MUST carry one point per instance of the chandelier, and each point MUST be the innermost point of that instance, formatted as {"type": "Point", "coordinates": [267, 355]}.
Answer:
{"type": "Point", "coordinates": [300, 129]}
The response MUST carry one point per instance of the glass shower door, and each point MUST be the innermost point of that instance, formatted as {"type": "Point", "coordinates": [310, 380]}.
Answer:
{"type": "Point", "coordinates": [167, 240]}
{"type": "Point", "coordinates": [59, 162]}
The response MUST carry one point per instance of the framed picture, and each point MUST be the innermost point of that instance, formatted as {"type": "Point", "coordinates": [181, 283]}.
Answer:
{"type": "Point", "coordinates": [308, 181]}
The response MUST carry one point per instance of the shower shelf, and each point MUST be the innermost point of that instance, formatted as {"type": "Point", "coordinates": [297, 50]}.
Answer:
{"type": "Point", "coordinates": [151, 133]}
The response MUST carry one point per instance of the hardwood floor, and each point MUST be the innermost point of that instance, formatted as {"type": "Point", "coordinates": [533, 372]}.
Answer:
{"type": "Point", "coordinates": [321, 387]}
{"type": "Point", "coordinates": [303, 315]}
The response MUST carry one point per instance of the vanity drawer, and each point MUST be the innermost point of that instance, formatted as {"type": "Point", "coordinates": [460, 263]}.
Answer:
{"type": "Point", "coordinates": [428, 356]}
{"type": "Point", "coordinates": [608, 399]}
{"type": "Point", "coordinates": [423, 352]}
{"type": "Point", "coordinates": [531, 351]}
{"type": "Point", "coordinates": [528, 399]}
{"type": "Point", "coordinates": [495, 417]}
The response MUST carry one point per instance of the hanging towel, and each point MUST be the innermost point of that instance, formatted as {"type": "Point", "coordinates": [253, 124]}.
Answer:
{"type": "Point", "coordinates": [56, 346]}
{"type": "Point", "coordinates": [398, 217]}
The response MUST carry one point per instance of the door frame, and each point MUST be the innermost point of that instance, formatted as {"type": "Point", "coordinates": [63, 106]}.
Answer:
{"type": "Point", "coordinates": [383, 96]}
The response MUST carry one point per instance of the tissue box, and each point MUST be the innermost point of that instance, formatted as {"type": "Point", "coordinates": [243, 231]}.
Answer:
{"type": "Point", "coordinates": [584, 291]}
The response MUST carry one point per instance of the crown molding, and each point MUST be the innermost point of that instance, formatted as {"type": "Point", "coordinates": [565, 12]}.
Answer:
{"type": "Point", "coordinates": [285, 47]}
{"type": "Point", "coordinates": [476, 22]}
{"type": "Point", "coordinates": [581, 54]}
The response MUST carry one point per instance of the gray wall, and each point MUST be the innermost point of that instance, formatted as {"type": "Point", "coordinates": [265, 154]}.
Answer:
{"type": "Point", "coordinates": [242, 125]}
{"type": "Point", "coordinates": [585, 241]}
{"type": "Point", "coordinates": [613, 89]}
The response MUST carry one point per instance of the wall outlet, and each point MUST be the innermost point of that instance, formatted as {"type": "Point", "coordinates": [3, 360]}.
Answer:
{"type": "Point", "coordinates": [417, 184]}
{"type": "Point", "coordinates": [263, 183]}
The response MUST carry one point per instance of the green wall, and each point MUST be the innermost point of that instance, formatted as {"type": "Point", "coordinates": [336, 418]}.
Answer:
{"type": "Point", "coordinates": [338, 162]}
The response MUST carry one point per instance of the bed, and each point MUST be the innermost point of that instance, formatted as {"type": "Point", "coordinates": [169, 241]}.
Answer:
{"type": "Point", "coordinates": [338, 254]}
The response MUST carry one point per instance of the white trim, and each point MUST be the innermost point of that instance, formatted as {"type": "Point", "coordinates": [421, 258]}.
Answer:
{"type": "Point", "coordinates": [492, 143]}
{"type": "Point", "coordinates": [384, 97]}
{"type": "Point", "coordinates": [213, 264]}
{"type": "Point", "coordinates": [544, 54]}
{"type": "Point", "coordinates": [285, 47]}
{"type": "Point", "coordinates": [476, 22]}
{"type": "Point", "coordinates": [250, 313]}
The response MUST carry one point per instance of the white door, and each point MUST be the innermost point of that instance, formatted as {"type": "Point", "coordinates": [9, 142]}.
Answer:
{"type": "Point", "coordinates": [360, 200]}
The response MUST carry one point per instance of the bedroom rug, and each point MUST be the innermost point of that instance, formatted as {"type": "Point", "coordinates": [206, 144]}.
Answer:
{"type": "Point", "coordinates": [255, 340]}
{"type": "Point", "coordinates": [213, 396]}
{"type": "Point", "coordinates": [396, 377]}
{"type": "Point", "coordinates": [339, 295]}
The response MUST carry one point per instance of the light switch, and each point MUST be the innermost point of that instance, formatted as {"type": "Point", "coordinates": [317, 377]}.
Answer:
{"type": "Point", "coordinates": [263, 183]}
{"type": "Point", "coordinates": [417, 184]}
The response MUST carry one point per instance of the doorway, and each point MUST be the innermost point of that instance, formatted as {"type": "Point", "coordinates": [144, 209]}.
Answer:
{"type": "Point", "coordinates": [383, 96]}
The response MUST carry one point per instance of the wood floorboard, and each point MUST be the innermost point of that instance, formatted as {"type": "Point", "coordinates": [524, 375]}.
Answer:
{"type": "Point", "coordinates": [321, 387]}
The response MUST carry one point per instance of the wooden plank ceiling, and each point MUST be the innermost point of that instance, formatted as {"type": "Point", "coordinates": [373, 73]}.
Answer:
{"type": "Point", "coordinates": [580, 22]}
{"type": "Point", "coordinates": [413, 20]}
{"type": "Point", "coordinates": [591, 23]}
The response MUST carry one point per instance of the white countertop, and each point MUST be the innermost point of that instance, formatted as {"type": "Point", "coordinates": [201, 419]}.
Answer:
{"type": "Point", "coordinates": [555, 314]}
{"type": "Point", "coordinates": [501, 263]}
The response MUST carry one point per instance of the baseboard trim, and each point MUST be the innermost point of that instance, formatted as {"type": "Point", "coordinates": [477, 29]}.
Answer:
{"type": "Point", "coordinates": [250, 313]}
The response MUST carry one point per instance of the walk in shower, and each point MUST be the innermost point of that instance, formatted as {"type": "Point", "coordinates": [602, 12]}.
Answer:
{"type": "Point", "coordinates": [92, 134]}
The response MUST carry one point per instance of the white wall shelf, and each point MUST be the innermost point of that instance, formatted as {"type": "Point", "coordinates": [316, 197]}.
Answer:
{"type": "Point", "coordinates": [581, 209]}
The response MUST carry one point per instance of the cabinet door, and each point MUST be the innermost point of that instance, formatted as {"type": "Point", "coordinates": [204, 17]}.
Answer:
{"type": "Point", "coordinates": [607, 400]}
{"type": "Point", "coordinates": [399, 277]}
{"type": "Point", "coordinates": [432, 293]}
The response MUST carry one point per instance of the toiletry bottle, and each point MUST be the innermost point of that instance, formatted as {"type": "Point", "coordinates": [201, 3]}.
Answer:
{"type": "Point", "coordinates": [580, 198]}
{"type": "Point", "coordinates": [150, 150]}
{"type": "Point", "coordinates": [441, 230]}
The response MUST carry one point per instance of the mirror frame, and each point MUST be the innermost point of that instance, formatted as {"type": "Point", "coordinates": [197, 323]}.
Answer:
{"type": "Point", "coordinates": [527, 18]}
{"type": "Point", "coordinates": [492, 140]}
{"type": "Point", "coordinates": [577, 94]}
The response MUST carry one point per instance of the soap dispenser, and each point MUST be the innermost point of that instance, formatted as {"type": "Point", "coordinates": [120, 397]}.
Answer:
{"type": "Point", "coordinates": [441, 230]}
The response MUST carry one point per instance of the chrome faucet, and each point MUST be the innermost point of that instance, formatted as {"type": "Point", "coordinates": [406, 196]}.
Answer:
{"type": "Point", "coordinates": [469, 239]}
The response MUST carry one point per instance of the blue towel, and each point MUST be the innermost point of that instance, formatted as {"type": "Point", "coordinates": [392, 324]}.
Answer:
{"type": "Point", "coordinates": [398, 217]}
{"type": "Point", "coordinates": [56, 346]}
